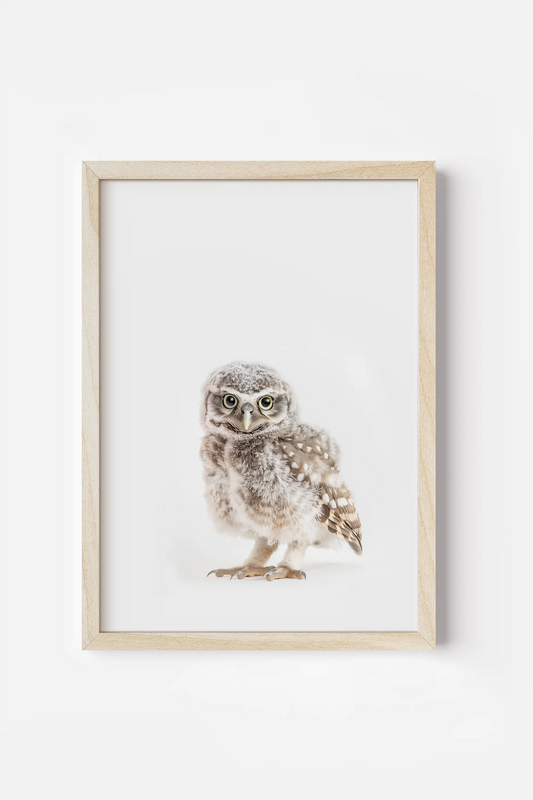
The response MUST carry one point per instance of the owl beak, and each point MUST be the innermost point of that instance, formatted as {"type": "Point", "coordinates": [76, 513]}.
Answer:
{"type": "Point", "coordinates": [247, 411]}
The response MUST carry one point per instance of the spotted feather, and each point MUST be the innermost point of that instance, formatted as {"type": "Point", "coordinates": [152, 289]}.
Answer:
{"type": "Point", "coordinates": [312, 464]}
{"type": "Point", "coordinates": [339, 515]}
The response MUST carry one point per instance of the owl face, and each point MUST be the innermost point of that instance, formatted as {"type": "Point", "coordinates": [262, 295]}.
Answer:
{"type": "Point", "coordinates": [246, 414]}
{"type": "Point", "coordinates": [246, 400]}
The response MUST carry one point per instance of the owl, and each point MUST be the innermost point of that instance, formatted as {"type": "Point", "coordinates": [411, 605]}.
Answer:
{"type": "Point", "coordinates": [268, 476]}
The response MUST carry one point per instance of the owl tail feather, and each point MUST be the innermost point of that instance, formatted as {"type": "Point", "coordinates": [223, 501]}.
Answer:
{"type": "Point", "coordinates": [356, 546]}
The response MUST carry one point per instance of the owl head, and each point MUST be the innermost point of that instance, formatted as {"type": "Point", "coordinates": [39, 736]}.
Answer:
{"type": "Point", "coordinates": [245, 400]}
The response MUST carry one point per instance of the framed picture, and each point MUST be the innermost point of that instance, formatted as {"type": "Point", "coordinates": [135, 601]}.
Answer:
{"type": "Point", "coordinates": [259, 405]}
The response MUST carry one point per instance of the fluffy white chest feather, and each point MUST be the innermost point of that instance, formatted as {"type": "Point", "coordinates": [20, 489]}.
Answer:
{"type": "Point", "coordinates": [265, 497]}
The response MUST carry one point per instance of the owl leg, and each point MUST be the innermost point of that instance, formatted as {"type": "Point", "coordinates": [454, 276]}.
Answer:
{"type": "Point", "coordinates": [255, 563]}
{"type": "Point", "coordinates": [290, 566]}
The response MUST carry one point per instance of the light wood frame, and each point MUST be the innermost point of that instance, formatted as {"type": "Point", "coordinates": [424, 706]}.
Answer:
{"type": "Point", "coordinates": [424, 638]}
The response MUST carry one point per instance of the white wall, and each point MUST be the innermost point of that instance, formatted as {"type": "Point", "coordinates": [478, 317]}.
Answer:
{"type": "Point", "coordinates": [254, 80]}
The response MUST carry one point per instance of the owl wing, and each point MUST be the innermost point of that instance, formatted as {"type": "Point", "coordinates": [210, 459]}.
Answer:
{"type": "Point", "coordinates": [312, 457]}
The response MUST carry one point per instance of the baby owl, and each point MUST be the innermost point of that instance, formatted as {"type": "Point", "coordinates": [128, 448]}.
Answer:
{"type": "Point", "coordinates": [269, 477]}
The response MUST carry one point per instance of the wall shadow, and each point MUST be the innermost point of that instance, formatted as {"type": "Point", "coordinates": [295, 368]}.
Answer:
{"type": "Point", "coordinates": [444, 367]}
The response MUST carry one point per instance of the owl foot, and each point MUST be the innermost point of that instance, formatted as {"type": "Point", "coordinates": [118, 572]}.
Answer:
{"type": "Point", "coordinates": [241, 572]}
{"type": "Point", "coordinates": [285, 572]}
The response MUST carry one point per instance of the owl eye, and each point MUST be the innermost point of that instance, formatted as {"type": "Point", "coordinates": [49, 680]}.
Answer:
{"type": "Point", "coordinates": [229, 401]}
{"type": "Point", "coordinates": [266, 403]}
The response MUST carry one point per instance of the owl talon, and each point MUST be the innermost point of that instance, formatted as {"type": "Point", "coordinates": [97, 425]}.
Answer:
{"type": "Point", "coordinates": [241, 572]}
{"type": "Point", "coordinates": [286, 572]}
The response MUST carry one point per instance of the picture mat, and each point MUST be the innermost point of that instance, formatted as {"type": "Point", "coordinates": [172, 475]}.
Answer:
{"type": "Point", "coordinates": [318, 280]}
